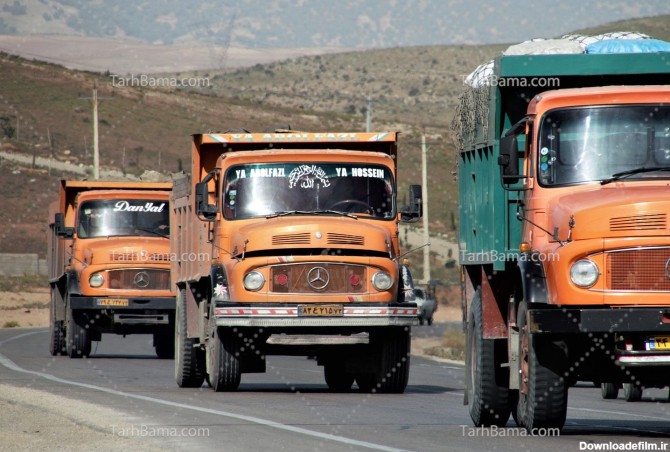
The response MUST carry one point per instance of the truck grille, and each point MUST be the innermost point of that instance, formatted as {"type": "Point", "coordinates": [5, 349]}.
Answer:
{"type": "Point", "coordinates": [649, 222]}
{"type": "Point", "coordinates": [139, 279]}
{"type": "Point", "coordinates": [291, 239]}
{"type": "Point", "coordinates": [345, 239]}
{"type": "Point", "coordinates": [644, 269]}
{"type": "Point", "coordinates": [318, 278]}
{"type": "Point", "coordinates": [305, 239]}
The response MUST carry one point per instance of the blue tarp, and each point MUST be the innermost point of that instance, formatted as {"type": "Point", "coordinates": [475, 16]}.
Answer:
{"type": "Point", "coordinates": [628, 46]}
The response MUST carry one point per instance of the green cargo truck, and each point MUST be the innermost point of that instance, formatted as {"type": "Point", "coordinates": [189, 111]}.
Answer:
{"type": "Point", "coordinates": [564, 190]}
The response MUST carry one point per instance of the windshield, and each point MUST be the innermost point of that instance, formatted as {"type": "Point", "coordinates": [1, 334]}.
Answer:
{"type": "Point", "coordinates": [259, 190]}
{"type": "Point", "coordinates": [592, 144]}
{"type": "Point", "coordinates": [123, 217]}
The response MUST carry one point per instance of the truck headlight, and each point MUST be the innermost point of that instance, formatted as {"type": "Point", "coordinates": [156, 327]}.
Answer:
{"type": "Point", "coordinates": [382, 281]}
{"type": "Point", "coordinates": [584, 273]}
{"type": "Point", "coordinates": [253, 280]}
{"type": "Point", "coordinates": [96, 280]}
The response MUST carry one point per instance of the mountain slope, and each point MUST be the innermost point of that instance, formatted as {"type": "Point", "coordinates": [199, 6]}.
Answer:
{"type": "Point", "coordinates": [45, 110]}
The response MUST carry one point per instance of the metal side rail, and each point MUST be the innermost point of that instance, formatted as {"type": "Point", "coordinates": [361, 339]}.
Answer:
{"type": "Point", "coordinates": [310, 314]}
{"type": "Point", "coordinates": [630, 358]}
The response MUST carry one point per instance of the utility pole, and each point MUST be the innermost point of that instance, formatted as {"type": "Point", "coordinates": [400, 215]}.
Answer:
{"type": "Point", "coordinates": [368, 115]}
{"type": "Point", "coordinates": [51, 149]}
{"type": "Point", "coordinates": [426, 235]}
{"type": "Point", "coordinates": [96, 152]}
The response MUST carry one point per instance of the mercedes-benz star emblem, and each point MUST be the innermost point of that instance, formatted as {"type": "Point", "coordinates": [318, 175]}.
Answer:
{"type": "Point", "coordinates": [141, 279]}
{"type": "Point", "coordinates": [667, 269]}
{"type": "Point", "coordinates": [318, 278]}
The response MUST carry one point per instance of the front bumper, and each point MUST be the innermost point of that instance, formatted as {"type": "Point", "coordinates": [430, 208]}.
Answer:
{"type": "Point", "coordinates": [290, 315]}
{"type": "Point", "coordinates": [128, 310]}
{"type": "Point", "coordinates": [616, 322]}
{"type": "Point", "coordinates": [600, 320]}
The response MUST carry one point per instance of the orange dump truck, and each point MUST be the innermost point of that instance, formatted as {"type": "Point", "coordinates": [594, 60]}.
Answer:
{"type": "Point", "coordinates": [109, 265]}
{"type": "Point", "coordinates": [287, 244]}
{"type": "Point", "coordinates": [565, 232]}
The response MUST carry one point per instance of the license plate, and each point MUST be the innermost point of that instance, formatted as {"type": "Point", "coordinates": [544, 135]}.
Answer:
{"type": "Point", "coordinates": [112, 302]}
{"type": "Point", "coordinates": [328, 310]}
{"type": "Point", "coordinates": [658, 343]}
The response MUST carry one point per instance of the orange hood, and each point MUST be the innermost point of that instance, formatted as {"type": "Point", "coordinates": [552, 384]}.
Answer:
{"type": "Point", "coordinates": [311, 232]}
{"type": "Point", "coordinates": [125, 250]}
{"type": "Point", "coordinates": [612, 211]}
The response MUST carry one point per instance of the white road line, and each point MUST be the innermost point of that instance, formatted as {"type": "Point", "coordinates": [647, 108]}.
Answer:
{"type": "Point", "coordinates": [643, 416]}
{"type": "Point", "coordinates": [8, 363]}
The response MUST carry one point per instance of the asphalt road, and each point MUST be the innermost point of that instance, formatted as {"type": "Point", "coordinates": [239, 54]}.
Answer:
{"type": "Point", "coordinates": [290, 408]}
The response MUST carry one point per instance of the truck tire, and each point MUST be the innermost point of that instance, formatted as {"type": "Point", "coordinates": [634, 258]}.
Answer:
{"type": "Point", "coordinates": [187, 370]}
{"type": "Point", "coordinates": [337, 379]}
{"type": "Point", "coordinates": [543, 395]}
{"type": "Point", "coordinates": [488, 394]}
{"type": "Point", "coordinates": [164, 345]}
{"type": "Point", "coordinates": [77, 337]}
{"type": "Point", "coordinates": [223, 359]}
{"type": "Point", "coordinates": [393, 371]}
{"type": "Point", "coordinates": [57, 345]}
{"type": "Point", "coordinates": [632, 392]}
{"type": "Point", "coordinates": [609, 390]}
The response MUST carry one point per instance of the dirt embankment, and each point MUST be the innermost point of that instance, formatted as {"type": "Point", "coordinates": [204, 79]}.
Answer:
{"type": "Point", "coordinates": [24, 309]}
{"type": "Point", "coordinates": [34, 420]}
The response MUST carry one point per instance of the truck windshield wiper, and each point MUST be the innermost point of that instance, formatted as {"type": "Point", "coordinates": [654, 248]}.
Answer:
{"type": "Point", "coordinates": [337, 212]}
{"type": "Point", "coordinates": [310, 212]}
{"type": "Point", "coordinates": [642, 169]}
{"type": "Point", "coordinates": [153, 232]}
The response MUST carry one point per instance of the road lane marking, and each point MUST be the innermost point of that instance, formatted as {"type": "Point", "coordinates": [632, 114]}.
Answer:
{"type": "Point", "coordinates": [8, 363]}
{"type": "Point", "coordinates": [644, 416]}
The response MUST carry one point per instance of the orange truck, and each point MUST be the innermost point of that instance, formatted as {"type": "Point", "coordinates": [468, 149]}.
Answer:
{"type": "Point", "coordinates": [565, 232]}
{"type": "Point", "coordinates": [286, 243]}
{"type": "Point", "coordinates": [109, 265]}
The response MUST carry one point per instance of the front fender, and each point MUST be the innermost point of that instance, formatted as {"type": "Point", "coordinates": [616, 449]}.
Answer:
{"type": "Point", "coordinates": [73, 286]}
{"type": "Point", "coordinates": [219, 283]}
{"type": "Point", "coordinates": [533, 278]}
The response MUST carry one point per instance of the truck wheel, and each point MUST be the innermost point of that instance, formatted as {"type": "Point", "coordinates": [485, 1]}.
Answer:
{"type": "Point", "coordinates": [223, 359]}
{"type": "Point", "coordinates": [609, 390]}
{"type": "Point", "coordinates": [164, 345]}
{"type": "Point", "coordinates": [393, 371]}
{"type": "Point", "coordinates": [77, 338]}
{"type": "Point", "coordinates": [336, 378]}
{"type": "Point", "coordinates": [631, 392]}
{"type": "Point", "coordinates": [57, 345]}
{"type": "Point", "coordinates": [186, 369]}
{"type": "Point", "coordinates": [543, 395]}
{"type": "Point", "coordinates": [487, 392]}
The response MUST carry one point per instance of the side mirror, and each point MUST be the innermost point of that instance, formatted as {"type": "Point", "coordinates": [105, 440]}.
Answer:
{"type": "Point", "coordinates": [415, 209]}
{"type": "Point", "coordinates": [202, 207]}
{"type": "Point", "coordinates": [60, 228]}
{"type": "Point", "coordinates": [509, 159]}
